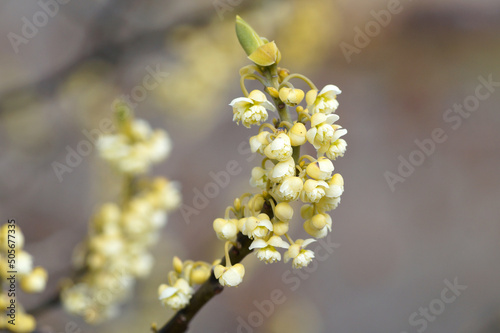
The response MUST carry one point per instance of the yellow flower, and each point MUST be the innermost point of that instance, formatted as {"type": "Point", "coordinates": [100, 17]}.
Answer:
{"type": "Point", "coordinates": [267, 249]}
{"type": "Point", "coordinates": [313, 190]}
{"type": "Point", "coordinates": [297, 134]}
{"type": "Point", "coordinates": [324, 102]}
{"type": "Point", "coordinates": [176, 296]}
{"type": "Point", "coordinates": [257, 227]}
{"type": "Point", "coordinates": [291, 96]}
{"type": "Point", "coordinates": [229, 276]}
{"type": "Point", "coordinates": [299, 255]}
{"type": "Point", "coordinates": [321, 169]}
{"type": "Point", "coordinates": [280, 148]}
{"type": "Point", "coordinates": [251, 110]}
{"type": "Point", "coordinates": [289, 189]}
{"type": "Point", "coordinates": [226, 229]}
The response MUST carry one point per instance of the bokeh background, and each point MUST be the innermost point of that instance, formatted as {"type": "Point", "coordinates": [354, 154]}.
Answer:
{"type": "Point", "coordinates": [396, 248]}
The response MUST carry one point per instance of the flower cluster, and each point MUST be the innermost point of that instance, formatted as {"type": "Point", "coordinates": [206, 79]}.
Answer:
{"type": "Point", "coordinates": [285, 175]}
{"type": "Point", "coordinates": [17, 265]}
{"type": "Point", "coordinates": [116, 251]}
{"type": "Point", "coordinates": [135, 146]}
{"type": "Point", "coordinates": [177, 293]}
{"type": "Point", "coordinates": [262, 221]}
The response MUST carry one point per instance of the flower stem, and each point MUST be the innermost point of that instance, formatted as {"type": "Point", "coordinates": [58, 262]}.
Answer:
{"type": "Point", "coordinates": [271, 73]}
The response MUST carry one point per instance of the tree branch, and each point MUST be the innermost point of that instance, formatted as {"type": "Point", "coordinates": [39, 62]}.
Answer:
{"type": "Point", "coordinates": [180, 322]}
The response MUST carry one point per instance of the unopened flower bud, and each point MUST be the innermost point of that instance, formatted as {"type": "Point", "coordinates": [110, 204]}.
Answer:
{"type": "Point", "coordinates": [311, 96]}
{"type": "Point", "coordinates": [297, 134]}
{"type": "Point", "coordinates": [177, 263]}
{"type": "Point", "coordinates": [283, 211]}
{"type": "Point", "coordinates": [291, 96]}
{"type": "Point", "coordinates": [200, 274]}
{"type": "Point", "coordinates": [280, 228]}
{"type": "Point", "coordinates": [273, 92]}
{"type": "Point", "coordinates": [319, 221]}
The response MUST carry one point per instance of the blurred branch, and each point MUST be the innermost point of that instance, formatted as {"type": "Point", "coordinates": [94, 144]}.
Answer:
{"type": "Point", "coordinates": [109, 49]}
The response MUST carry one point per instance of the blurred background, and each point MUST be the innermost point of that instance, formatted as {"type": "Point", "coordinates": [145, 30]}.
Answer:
{"type": "Point", "coordinates": [396, 245]}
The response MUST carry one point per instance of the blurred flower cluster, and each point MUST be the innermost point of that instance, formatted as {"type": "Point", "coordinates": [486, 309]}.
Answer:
{"type": "Point", "coordinates": [116, 251]}
{"type": "Point", "coordinates": [16, 268]}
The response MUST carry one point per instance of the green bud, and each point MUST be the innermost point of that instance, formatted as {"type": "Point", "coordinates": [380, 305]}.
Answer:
{"type": "Point", "coordinates": [249, 39]}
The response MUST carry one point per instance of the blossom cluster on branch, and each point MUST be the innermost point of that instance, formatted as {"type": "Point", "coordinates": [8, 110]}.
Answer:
{"type": "Point", "coordinates": [116, 250]}
{"type": "Point", "coordinates": [16, 268]}
{"type": "Point", "coordinates": [285, 175]}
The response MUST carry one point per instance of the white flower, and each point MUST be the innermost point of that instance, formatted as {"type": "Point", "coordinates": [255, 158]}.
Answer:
{"type": "Point", "coordinates": [259, 142]}
{"type": "Point", "coordinates": [326, 101]}
{"type": "Point", "coordinates": [176, 296]}
{"type": "Point", "coordinates": [322, 133]}
{"type": "Point", "coordinates": [107, 244]}
{"type": "Point", "coordinates": [313, 190]}
{"type": "Point", "coordinates": [327, 204]}
{"type": "Point", "coordinates": [133, 151]}
{"type": "Point", "coordinates": [282, 170]}
{"type": "Point", "coordinates": [159, 145]}
{"type": "Point", "coordinates": [300, 257]}
{"type": "Point", "coordinates": [259, 177]}
{"type": "Point", "coordinates": [167, 194]}
{"type": "Point", "coordinates": [140, 129]}
{"type": "Point", "coordinates": [319, 225]}
{"type": "Point", "coordinates": [35, 281]}
{"type": "Point", "coordinates": [289, 189]}
{"type": "Point", "coordinates": [336, 149]}
{"type": "Point", "coordinates": [141, 264]}
{"type": "Point", "coordinates": [76, 299]}
{"type": "Point", "coordinates": [336, 186]}
{"type": "Point", "coordinates": [280, 148]}
{"type": "Point", "coordinates": [229, 276]}
{"type": "Point", "coordinates": [226, 229]}
{"type": "Point", "coordinates": [321, 169]}
{"type": "Point", "coordinates": [251, 110]}
{"type": "Point", "coordinates": [267, 249]}
{"type": "Point", "coordinates": [113, 147]}
{"type": "Point", "coordinates": [23, 262]}
{"type": "Point", "coordinates": [257, 227]}
{"type": "Point", "coordinates": [16, 240]}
